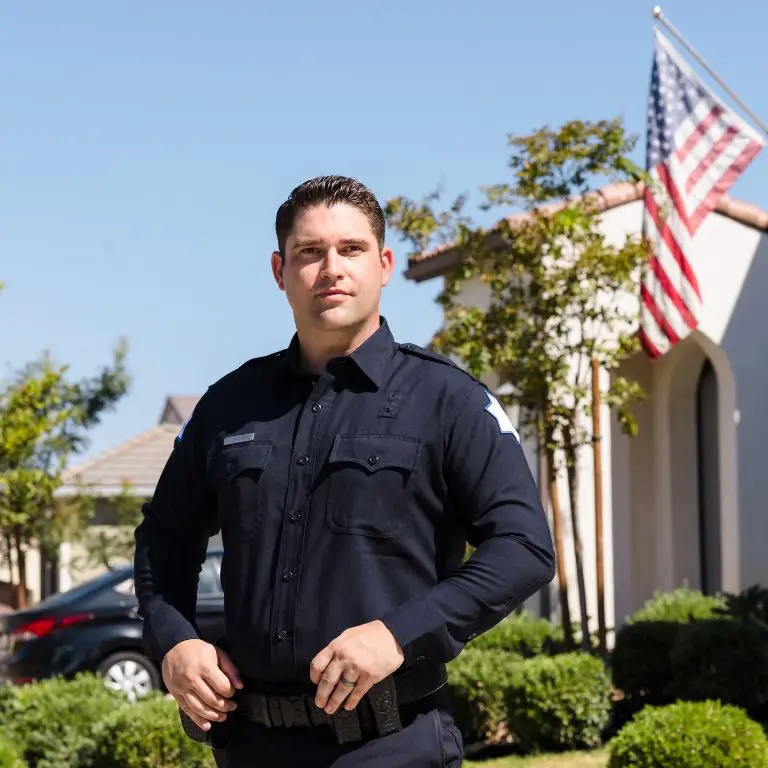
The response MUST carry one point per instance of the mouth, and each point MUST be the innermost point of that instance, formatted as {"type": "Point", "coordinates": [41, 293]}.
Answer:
{"type": "Point", "coordinates": [332, 294]}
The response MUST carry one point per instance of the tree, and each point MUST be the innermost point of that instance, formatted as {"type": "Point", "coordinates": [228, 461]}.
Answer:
{"type": "Point", "coordinates": [556, 297]}
{"type": "Point", "coordinates": [104, 547]}
{"type": "Point", "coordinates": [43, 421]}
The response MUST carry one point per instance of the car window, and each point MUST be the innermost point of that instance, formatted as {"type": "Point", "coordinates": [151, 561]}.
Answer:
{"type": "Point", "coordinates": [125, 587]}
{"type": "Point", "coordinates": [209, 579]}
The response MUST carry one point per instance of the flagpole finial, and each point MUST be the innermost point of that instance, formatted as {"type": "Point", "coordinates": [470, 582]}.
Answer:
{"type": "Point", "coordinates": [656, 12]}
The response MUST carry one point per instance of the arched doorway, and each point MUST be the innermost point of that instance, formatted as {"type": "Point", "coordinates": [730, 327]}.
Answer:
{"type": "Point", "coordinates": [708, 460]}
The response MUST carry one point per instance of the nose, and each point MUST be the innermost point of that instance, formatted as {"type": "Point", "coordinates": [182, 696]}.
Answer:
{"type": "Point", "coordinates": [332, 264]}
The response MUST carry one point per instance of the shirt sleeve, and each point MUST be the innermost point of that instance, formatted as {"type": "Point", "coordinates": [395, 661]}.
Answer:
{"type": "Point", "coordinates": [496, 499]}
{"type": "Point", "coordinates": [171, 543]}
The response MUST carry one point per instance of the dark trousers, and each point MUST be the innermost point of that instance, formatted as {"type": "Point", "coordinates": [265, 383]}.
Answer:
{"type": "Point", "coordinates": [429, 739]}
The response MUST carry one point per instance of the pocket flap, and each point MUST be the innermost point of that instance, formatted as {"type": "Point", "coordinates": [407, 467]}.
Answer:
{"type": "Point", "coordinates": [375, 452]}
{"type": "Point", "coordinates": [234, 459]}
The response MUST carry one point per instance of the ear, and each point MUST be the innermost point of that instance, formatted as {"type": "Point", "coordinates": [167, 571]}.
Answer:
{"type": "Point", "coordinates": [277, 269]}
{"type": "Point", "coordinates": [387, 259]}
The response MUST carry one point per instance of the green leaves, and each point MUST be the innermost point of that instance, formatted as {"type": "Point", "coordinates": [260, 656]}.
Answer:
{"type": "Point", "coordinates": [539, 295]}
{"type": "Point", "coordinates": [44, 418]}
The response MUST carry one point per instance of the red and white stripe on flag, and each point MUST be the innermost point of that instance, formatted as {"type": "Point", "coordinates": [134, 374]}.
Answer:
{"type": "Point", "coordinates": [696, 149]}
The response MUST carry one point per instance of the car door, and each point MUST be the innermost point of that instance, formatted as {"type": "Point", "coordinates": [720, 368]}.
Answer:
{"type": "Point", "coordinates": [210, 601]}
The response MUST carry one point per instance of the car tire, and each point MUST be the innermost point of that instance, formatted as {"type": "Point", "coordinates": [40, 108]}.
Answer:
{"type": "Point", "coordinates": [131, 673]}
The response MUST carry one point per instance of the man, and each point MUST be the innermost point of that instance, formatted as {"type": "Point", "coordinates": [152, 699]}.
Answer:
{"type": "Point", "coordinates": [346, 474]}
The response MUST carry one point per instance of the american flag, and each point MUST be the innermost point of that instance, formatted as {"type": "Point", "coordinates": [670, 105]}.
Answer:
{"type": "Point", "coordinates": [696, 150]}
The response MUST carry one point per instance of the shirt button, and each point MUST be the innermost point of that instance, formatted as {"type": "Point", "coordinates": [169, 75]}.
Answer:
{"type": "Point", "coordinates": [373, 459]}
{"type": "Point", "coordinates": [302, 460]}
{"type": "Point", "coordinates": [295, 517]}
{"type": "Point", "coordinates": [317, 407]}
{"type": "Point", "coordinates": [421, 658]}
{"type": "Point", "coordinates": [281, 634]}
{"type": "Point", "coordinates": [287, 575]}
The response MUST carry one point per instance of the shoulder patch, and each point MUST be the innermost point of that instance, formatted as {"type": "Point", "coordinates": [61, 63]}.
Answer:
{"type": "Point", "coordinates": [495, 409]}
{"type": "Point", "coordinates": [181, 431]}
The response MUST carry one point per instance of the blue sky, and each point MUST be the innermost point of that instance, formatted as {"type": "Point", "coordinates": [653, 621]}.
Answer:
{"type": "Point", "coordinates": [146, 146]}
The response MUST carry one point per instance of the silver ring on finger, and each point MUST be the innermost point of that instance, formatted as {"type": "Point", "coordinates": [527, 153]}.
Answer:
{"type": "Point", "coordinates": [347, 683]}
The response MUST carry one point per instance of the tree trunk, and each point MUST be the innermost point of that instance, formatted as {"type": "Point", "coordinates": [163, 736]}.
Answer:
{"type": "Point", "coordinates": [557, 525]}
{"type": "Point", "coordinates": [21, 565]}
{"type": "Point", "coordinates": [578, 549]}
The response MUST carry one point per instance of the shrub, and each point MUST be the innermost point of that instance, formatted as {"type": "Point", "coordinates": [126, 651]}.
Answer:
{"type": "Point", "coordinates": [559, 702]}
{"type": "Point", "coordinates": [55, 719]}
{"type": "Point", "coordinates": [147, 733]}
{"type": "Point", "coordinates": [752, 603]}
{"type": "Point", "coordinates": [522, 634]}
{"type": "Point", "coordinates": [680, 605]}
{"type": "Point", "coordinates": [9, 701]}
{"type": "Point", "coordinates": [690, 735]}
{"type": "Point", "coordinates": [722, 659]}
{"type": "Point", "coordinates": [476, 683]}
{"type": "Point", "coordinates": [10, 754]}
{"type": "Point", "coordinates": [640, 661]}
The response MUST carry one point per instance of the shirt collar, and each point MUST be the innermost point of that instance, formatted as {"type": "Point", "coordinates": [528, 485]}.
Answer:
{"type": "Point", "coordinates": [371, 357]}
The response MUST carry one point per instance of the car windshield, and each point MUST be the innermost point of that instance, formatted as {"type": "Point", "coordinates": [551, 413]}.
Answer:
{"type": "Point", "coordinates": [82, 590]}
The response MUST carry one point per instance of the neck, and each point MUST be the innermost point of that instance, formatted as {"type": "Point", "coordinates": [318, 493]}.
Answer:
{"type": "Point", "coordinates": [319, 345]}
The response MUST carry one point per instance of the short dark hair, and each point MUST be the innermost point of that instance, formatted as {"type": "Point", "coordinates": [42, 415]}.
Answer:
{"type": "Point", "coordinates": [328, 190]}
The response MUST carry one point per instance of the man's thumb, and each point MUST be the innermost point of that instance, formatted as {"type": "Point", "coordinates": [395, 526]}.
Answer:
{"type": "Point", "coordinates": [228, 667]}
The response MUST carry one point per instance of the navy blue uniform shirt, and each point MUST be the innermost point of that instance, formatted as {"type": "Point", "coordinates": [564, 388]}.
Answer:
{"type": "Point", "coordinates": [341, 499]}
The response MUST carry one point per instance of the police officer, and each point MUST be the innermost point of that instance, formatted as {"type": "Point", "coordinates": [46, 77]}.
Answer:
{"type": "Point", "coordinates": [345, 474]}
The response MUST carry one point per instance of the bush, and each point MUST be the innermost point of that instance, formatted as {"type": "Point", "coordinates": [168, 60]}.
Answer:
{"type": "Point", "coordinates": [10, 754]}
{"type": "Point", "coordinates": [680, 605]}
{"type": "Point", "coordinates": [690, 735]}
{"type": "Point", "coordinates": [722, 659]}
{"type": "Point", "coordinates": [147, 733]}
{"type": "Point", "coordinates": [522, 634]}
{"type": "Point", "coordinates": [9, 701]}
{"type": "Point", "coordinates": [55, 719]}
{"type": "Point", "coordinates": [559, 702]}
{"type": "Point", "coordinates": [476, 683]}
{"type": "Point", "coordinates": [640, 661]}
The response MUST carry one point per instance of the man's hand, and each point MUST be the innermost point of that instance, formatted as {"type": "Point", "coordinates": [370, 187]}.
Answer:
{"type": "Point", "coordinates": [201, 678]}
{"type": "Point", "coordinates": [357, 659]}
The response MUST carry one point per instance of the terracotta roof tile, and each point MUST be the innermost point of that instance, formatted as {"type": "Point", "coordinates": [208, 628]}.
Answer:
{"type": "Point", "coordinates": [440, 260]}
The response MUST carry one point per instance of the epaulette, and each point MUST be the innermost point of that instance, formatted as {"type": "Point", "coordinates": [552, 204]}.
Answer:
{"type": "Point", "coordinates": [435, 357]}
{"type": "Point", "coordinates": [271, 357]}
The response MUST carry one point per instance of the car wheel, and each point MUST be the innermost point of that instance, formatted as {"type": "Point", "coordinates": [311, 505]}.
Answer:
{"type": "Point", "coordinates": [132, 673]}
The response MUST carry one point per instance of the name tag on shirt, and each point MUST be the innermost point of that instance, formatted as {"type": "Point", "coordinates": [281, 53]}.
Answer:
{"type": "Point", "coordinates": [235, 439]}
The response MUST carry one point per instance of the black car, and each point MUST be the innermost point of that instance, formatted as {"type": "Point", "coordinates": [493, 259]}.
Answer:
{"type": "Point", "coordinates": [95, 627]}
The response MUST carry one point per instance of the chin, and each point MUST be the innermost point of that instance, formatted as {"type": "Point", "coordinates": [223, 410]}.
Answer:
{"type": "Point", "coordinates": [337, 318]}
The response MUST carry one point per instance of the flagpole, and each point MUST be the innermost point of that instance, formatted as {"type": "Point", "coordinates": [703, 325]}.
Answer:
{"type": "Point", "coordinates": [659, 16]}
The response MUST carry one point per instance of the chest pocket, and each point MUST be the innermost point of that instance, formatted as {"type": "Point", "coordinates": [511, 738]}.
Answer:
{"type": "Point", "coordinates": [368, 480]}
{"type": "Point", "coordinates": [238, 475]}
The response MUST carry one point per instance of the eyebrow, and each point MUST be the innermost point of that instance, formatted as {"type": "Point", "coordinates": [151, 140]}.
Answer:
{"type": "Point", "coordinates": [304, 243]}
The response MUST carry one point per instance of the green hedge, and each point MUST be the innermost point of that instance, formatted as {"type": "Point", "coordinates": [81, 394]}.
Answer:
{"type": "Point", "coordinates": [53, 721]}
{"type": "Point", "coordinates": [476, 684]}
{"type": "Point", "coordinates": [147, 734]}
{"type": "Point", "coordinates": [640, 662]}
{"type": "Point", "coordinates": [562, 702]}
{"type": "Point", "coordinates": [522, 634]}
{"type": "Point", "coordinates": [10, 754]}
{"type": "Point", "coordinates": [690, 735]}
{"type": "Point", "coordinates": [722, 659]}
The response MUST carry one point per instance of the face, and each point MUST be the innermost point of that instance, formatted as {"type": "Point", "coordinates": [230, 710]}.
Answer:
{"type": "Point", "coordinates": [333, 270]}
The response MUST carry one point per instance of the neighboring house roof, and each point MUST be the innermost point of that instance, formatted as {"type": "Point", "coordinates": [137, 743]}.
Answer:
{"type": "Point", "coordinates": [434, 263]}
{"type": "Point", "coordinates": [138, 461]}
{"type": "Point", "coordinates": [178, 408]}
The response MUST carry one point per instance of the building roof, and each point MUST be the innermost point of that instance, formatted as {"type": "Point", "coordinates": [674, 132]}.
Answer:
{"type": "Point", "coordinates": [178, 409]}
{"type": "Point", "coordinates": [138, 461]}
{"type": "Point", "coordinates": [434, 263]}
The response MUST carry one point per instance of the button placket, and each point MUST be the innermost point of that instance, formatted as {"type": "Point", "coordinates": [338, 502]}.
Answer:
{"type": "Point", "coordinates": [311, 421]}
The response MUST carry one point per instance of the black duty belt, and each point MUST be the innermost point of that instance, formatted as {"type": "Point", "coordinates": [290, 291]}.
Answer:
{"type": "Point", "coordinates": [378, 714]}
